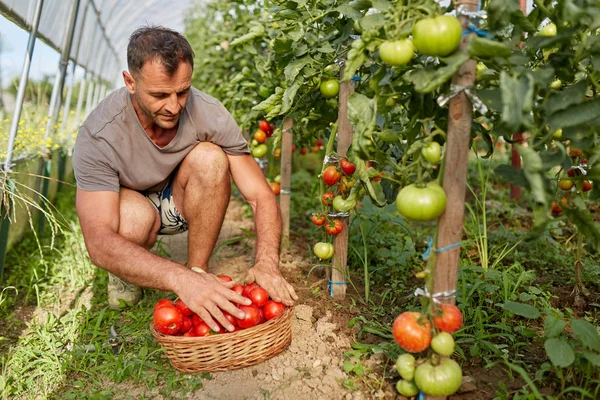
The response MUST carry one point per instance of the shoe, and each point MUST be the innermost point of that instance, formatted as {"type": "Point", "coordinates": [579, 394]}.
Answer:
{"type": "Point", "coordinates": [121, 293]}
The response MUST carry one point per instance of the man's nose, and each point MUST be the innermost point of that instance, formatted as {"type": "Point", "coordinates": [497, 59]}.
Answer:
{"type": "Point", "coordinates": [173, 105]}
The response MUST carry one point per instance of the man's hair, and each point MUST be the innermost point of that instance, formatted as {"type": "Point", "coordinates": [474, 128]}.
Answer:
{"type": "Point", "coordinates": [158, 43]}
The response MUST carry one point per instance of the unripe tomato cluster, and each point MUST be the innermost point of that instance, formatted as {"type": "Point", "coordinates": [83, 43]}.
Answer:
{"type": "Point", "coordinates": [175, 318]}
{"type": "Point", "coordinates": [573, 182]}
{"type": "Point", "coordinates": [434, 374]}
{"type": "Point", "coordinates": [258, 144]}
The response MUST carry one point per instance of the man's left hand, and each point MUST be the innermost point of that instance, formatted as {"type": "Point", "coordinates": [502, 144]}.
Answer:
{"type": "Point", "coordinates": [273, 282]}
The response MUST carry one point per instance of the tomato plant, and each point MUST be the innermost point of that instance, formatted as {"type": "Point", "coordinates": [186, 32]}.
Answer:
{"type": "Point", "coordinates": [412, 331]}
{"type": "Point", "coordinates": [448, 318]}
{"type": "Point", "coordinates": [438, 36]}
{"type": "Point", "coordinates": [421, 203]}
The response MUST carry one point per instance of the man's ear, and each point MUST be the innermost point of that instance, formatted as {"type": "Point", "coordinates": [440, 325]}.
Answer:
{"type": "Point", "coordinates": [129, 82]}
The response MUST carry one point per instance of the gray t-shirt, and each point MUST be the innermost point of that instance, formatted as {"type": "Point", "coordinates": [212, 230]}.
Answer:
{"type": "Point", "coordinates": [112, 149]}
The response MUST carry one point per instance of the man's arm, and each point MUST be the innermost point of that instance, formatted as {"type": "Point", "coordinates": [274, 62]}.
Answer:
{"type": "Point", "coordinates": [205, 294]}
{"type": "Point", "coordinates": [251, 182]}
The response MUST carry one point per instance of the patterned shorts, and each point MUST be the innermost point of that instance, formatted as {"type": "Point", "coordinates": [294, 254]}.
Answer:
{"type": "Point", "coordinates": [171, 222]}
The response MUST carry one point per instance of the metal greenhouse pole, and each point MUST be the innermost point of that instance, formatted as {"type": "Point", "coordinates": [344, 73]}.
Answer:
{"type": "Point", "coordinates": [55, 100]}
{"type": "Point", "coordinates": [86, 78]}
{"type": "Point", "coordinates": [14, 126]}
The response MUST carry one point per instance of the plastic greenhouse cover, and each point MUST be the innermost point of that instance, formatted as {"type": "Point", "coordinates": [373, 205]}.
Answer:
{"type": "Point", "coordinates": [99, 43]}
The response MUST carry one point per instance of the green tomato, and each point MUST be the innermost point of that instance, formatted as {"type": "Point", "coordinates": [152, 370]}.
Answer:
{"type": "Point", "coordinates": [443, 344]}
{"type": "Point", "coordinates": [323, 250]}
{"type": "Point", "coordinates": [341, 205]}
{"type": "Point", "coordinates": [260, 151]}
{"type": "Point", "coordinates": [405, 365]}
{"type": "Point", "coordinates": [548, 30]}
{"type": "Point", "coordinates": [556, 84]}
{"type": "Point", "coordinates": [407, 388]}
{"type": "Point", "coordinates": [425, 203]}
{"type": "Point", "coordinates": [329, 88]}
{"type": "Point", "coordinates": [480, 67]}
{"type": "Point", "coordinates": [396, 52]}
{"type": "Point", "coordinates": [443, 379]}
{"type": "Point", "coordinates": [432, 152]}
{"type": "Point", "coordinates": [438, 36]}
{"type": "Point", "coordinates": [264, 92]}
{"type": "Point", "coordinates": [557, 134]}
{"type": "Point", "coordinates": [277, 179]}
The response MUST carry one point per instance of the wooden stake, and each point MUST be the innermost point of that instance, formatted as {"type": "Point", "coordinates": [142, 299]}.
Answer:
{"type": "Point", "coordinates": [455, 177]}
{"type": "Point", "coordinates": [286, 179]}
{"type": "Point", "coordinates": [339, 268]}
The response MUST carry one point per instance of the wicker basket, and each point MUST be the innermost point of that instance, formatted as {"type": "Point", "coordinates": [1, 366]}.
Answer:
{"type": "Point", "coordinates": [228, 351]}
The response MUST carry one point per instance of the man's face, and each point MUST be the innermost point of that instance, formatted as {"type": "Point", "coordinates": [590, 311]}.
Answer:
{"type": "Point", "coordinates": [160, 99]}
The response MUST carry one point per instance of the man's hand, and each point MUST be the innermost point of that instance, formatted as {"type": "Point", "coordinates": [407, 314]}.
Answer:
{"type": "Point", "coordinates": [208, 296]}
{"type": "Point", "coordinates": [273, 282]}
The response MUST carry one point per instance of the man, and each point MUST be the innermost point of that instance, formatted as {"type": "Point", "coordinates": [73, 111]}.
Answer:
{"type": "Point", "coordinates": [155, 157]}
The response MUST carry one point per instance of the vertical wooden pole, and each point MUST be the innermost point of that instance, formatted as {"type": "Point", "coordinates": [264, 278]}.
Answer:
{"type": "Point", "coordinates": [455, 177]}
{"type": "Point", "coordinates": [339, 269]}
{"type": "Point", "coordinates": [286, 180]}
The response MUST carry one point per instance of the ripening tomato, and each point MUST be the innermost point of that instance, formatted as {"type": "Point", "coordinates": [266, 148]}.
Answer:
{"type": "Point", "coordinates": [323, 250]}
{"type": "Point", "coordinates": [185, 310]}
{"type": "Point", "coordinates": [168, 320]}
{"type": "Point", "coordinates": [259, 297]}
{"type": "Point", "coordinates": [438, 36]}
{"type": "Point", "coordinates": [575, 152]}
{"type": "Point", "coordinates": [266, 127]}
{"type": "Point", "coordinates": [275, 187]}
{"type": "Point", "coordinates": [565, 183]}
{"type": "Point", "coordinates": [329, 88]}
{"type": "Point", "coordinates": [327, 198]}
{"type": "Point", "coordinates": [260, 136]}
{"type": "Point", "coordinates": [412, 332]}
{"type": "Point", "coordinates": [331, 175]}
{"type": "Point", "coordinates": [443, 379]}
{"type": "Point", "coordinates": [586, 185]}
{"type": "Point", "coordinates": [248, 288]}
{"type": "Point", "coordinates": [333, 227]}
{"type": "Point", "coordinates": [277, 153]}
{"type": "Point", "coordinates": [252, 316]}
{"type": "Point", "coordinates": [421, 203]}
{"type": "Point", "coordinates": [396, 52]}
{"type": "Point", "coordinates": [303, 151]}
{"type": "Point", "coordinates": [449, 319]}
{"type": "Point", "coordinates": [556, 209]}
{"type": "Point", "coordinates": [273, 309]}
{"type": "Point", "coordinates": [347, 167]}
{"type": "Point", "coordinates": [319, 219]}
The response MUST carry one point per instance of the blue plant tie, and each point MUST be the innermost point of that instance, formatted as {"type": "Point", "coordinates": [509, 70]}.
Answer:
{"type": "Point", "coordinates": [427, 252]}
{"type": "Point", "coordinates": [446, 248]}
{"type": "Point", "coordinates": [356, 78]}
{"type": "Point", "coordinates": [329, 283]}
{"type": "Point", "coordinates": [473, 29]}
{"type": "Point", "coordinates": [421, 396]}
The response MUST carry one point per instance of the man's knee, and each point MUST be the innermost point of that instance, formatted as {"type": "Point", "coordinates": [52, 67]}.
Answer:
{"type": "Point", "coordinates": [139, 221]}
{"type": "Point", "coordinates": [207, 159]}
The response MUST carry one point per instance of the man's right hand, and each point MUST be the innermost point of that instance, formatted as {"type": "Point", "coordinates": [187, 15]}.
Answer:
{"type": "Point", "coordinates": [208, 296]}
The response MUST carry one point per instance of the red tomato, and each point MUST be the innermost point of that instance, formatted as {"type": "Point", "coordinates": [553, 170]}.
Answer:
{"type": "Point", "coordinates": [450, 318]}
{"type": "Point", "coordinates": [187, 325]}
{"type": "Point", "coordinates": [248, 288]}
{"type": "Point", "coordinates": [327, 198]}
{"type": "Point", "coordinates": [168, 320]}
{"type": "Point", "coordinates": [266, 127]}
{"type": "Point", "coordinates": [275, 187]}
{"type": "Point", "coordinates": [239, 289]}
{"type": "Point", "coordinates": [202, 329]}
{"type": "Point", "coordinates": [347, 166]}
{"type": "Point", "coordinates": [162, 303]}
{"type": "Point", "coordinates": [231, 319]}
{"type": "Point", "coordinates": [190, 333]}
{"type": "Point", "coordinates": [319, 143]}
{"type": "Point", "coordinates": [303, 151]}
{"type": "Point", "coordinates": [225, 278]}
{"type": "Point", "coordinates": [319, 219]}
{"type": "Point", "coordinates": [273, 309]}
{"type": "Point", "coordinates": [259, 297]}
{"type": "Point", "coordinates": [586, 185]}
{"type": "Point", "coordinates": [411, 332]}
{"type": "Point", "coordinates": [185, 310]}
{"type": "Point", "coordinates": [333, 227]}
{"type": "Point", "coordinates": [331, 175]}
{"type": "Point", "coordinates": [253, 316]}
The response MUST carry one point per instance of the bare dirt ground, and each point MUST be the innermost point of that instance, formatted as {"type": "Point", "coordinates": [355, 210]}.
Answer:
{"type": "Point", "coordinates": [312, 367]}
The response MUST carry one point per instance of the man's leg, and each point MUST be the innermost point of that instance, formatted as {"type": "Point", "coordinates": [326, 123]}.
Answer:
{"type": "Point", "coordinates": [139, 223]}
{"type": "Point", "coordinates": [201, 191]}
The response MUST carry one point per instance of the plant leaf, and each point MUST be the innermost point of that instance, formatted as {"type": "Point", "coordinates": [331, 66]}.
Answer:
{"type": "Point", "coordinates": [553, 326]}
{"type": "Point", "coordinates": [560, 352]}
{"type": "Point", "coordinates": [524, 310]}
{"type": "Point", "coordinates": [587, 333]}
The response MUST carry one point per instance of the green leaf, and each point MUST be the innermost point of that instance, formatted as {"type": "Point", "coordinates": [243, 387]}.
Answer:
{"type": "Point", "coordinates": [533, 168]}
{"type": "Point", "coordinates": [427, 80]}
{"type": "Point", "coordinates": [349, 11]}
{"type": "Point", "coordinates": [272, 105]}
{"type": "Point", "coordinates": [553, 326]}
{"type": "Point", "coordinates": [560, 352]}
{"type": "Point", "coordinates": [288, 97]}
{"type": "Point", "coordinates": [491, 98]}
{"type": "Point", "coordinates": [256, 30]}
{"type": "Point", "coordinates": [592, 358]}
{"type": "Point", "coordinates": [372, 21]}
{"type": "Point", "coordinates": [575, 115]}
{"type": "Point", "coordinates": [524, 310]}
{"type": "Point", "coordinates": [585, 225]}
{"type": "Point", "coordinates": [292, 70]}
{"type": "Point", "coordinates": [479, 47]}
{"type": "Point", "coordinates": [587, 333]}
{"type": "Point", "coordinates": [356, 58]}
{"type": "Point", "coordinates": [517, 100]}
{"type": "Point", "coordinates": [381, 5]}
{"type": "Point", "coordinates": [572, 95]}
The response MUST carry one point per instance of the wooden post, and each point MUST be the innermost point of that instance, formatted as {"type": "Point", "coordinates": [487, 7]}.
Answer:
{"type": "Point", "coordinates": [286, 180]}
{"type": "Point", "coordinates": [515, 191]}
{"type": "Point", "coordinates": [339, 268]}
{"type": "Point", "coordinates": [455, 176]}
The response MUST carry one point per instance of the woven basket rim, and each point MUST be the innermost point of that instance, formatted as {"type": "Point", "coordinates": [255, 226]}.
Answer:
{"type": "Point", "coordinates": [220, 337]}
